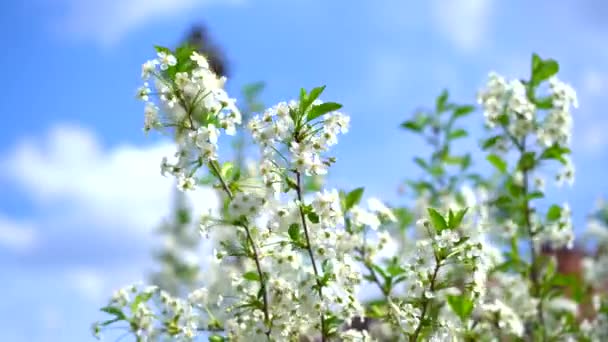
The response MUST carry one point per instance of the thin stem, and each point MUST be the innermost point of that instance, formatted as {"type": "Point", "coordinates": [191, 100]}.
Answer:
{"type": "Point", "coordinates": [425, 305]}
{"type": "Point", "coordinates": [256, 257]}
{"type": "Point", "coordinates": [221, 179]}
{"type": "Point", "coordinates": [310, 252]}
{"type": "Point", "coordinates": [386, 292]}
{"type": "Point", "coordinates": [534, 267]}
{"type": "Point", "coordinates": [534, 263]}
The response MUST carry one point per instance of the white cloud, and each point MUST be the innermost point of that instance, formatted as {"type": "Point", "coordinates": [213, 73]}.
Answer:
{"type": "Point", "coordinates": [79, 190]}
{"type": "Point", "coordinates": [107, 21]}
{"type": "Point", "coordinates": [118, 186]}
{"type": "Point", "coordinates": [463, 22]}
{"type": "Point", "coordinates": [17, 236]}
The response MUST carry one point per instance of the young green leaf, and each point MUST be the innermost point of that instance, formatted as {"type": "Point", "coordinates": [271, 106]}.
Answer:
{"type": "Point", "coordinates": [455, 219]}
{"type": "Point", "coordinates": [463, 111]}
{"type": "Point", "coordinates": [159, 48]}
{"type": "Point", "coordinates": [555, 152]}
{"type": "Point", "coordinates": [417, 124]}
{"type": "Point", "coordinates": [459, 133]}
{"type": "Point", "coordinates": [313, 217]}
{"type": "Point", "coordinates": [113, 310]}
{"type": "Point", "coordinates": [527, 161]}
{"type": "Point", "coordinates": [294, 232]}
{"type": "Point", "coordinates": [251, 275]}
{"type": "Point", "coordinates": [421, 162]}
{"type": "Point", "coordinates": [437, 220]}
{"type": "Point", "coordinates": [498, 162]}
{"type": "Point", "coordinates": [441, 102]}
{"type": "Point", "coordinates": [226, 170]}
{"type": "Point", "coordinates": [321, 109]}
{"type": "Point", "coordinates": [554, 213]}
{"type": "Point", "coordinates": [490, 142]}
{"type": "Point", "coordinates": [353, 198]}
{"type": "Point", "coordinates": [307, 100]}
{"type": "Point", "coordinates": [542, 69]}
{"type": "Point", "coordinates": [461, 305]}
{"type": "Point", "coordinates": [140, 298]}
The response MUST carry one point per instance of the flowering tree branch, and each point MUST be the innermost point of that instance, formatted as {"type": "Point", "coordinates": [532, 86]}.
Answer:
{"type": "Point", "coordinates": [446, 279]}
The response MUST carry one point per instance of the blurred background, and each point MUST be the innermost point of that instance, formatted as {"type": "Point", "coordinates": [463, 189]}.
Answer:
{"type": "Point", "coordinates": [81, 194]}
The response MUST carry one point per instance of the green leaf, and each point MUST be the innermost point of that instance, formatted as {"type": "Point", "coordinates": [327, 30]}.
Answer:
{"type": "Point", "coordinates": [216, 338]}
{"type": "Point", "coordinates": [416, 124]}
{"type": "Point", "coordinates": [159, 48]}
{"type": "Point", "coordinates": [463, 111]}
{"type": "Point", "coordinates": [353, 198]}
{"type": "Point", "coordinates": [490, 142]}
{"type": "Point", "coordinates": [140, 298]}
{"type": "Point", "coordinates": [110, 321]}
{"type": "Point", "coordinates": [437, 170]}
{"type": "Point", "coordinates": [395, 270]}
{"type": "Point", "coordinates": [294, 232]}
{"type": "Point", "coordinates": [226, 170]}
{"type": "Point", "coordinates": [542, 69]}
{"type": "Point", "coordinates": [183, 54]}
{"type": "Point", "coordinates": [313, 217]}
{"type": "Point", "coordinates": [554, 213]}
{"type": "Point", "coordinates": [251, 275]}
{"type": "Point", "coordinates": [315, 93]}
{"type": "Point", "coordinates": [321, 109]}
{"type": "Point", "coordinates": [450, 218]}
{"type": "Point", "coordinates": [454, 220]}
{"type": "Point", "coordinates": [527, 161]}
{"type": "Point", "coordinates": [420, 162]}
{"type": "Point", "coordinates": [113, 310]}
{"type": "Point", "coordinates": [466, 162]}
{"type": "Point", "coordinates": [544, 103]}
{"type": "Point", "coordinates": [498, 162]}
{"type": "Point", "coordinates": [535, 195]}
{"type": "Point", "coordinates": [515, 190]}
{"type": "Point", "coordinates": [441, 102]}
{"type": "Point", "coordinates": [555, 152]}
{"type": "Point", "coordinates": [437, 220]}
{"type": "Point", "coordinates": [302, 94]}
{"type": "Point", "coordinates": [536, 62]}
{"type": "Point", "coordinates": [307, 100]}
{"type": "Point", "coordinates": [412, 126]}
{"type": "Point", "coordinates": [459, 133]}
{"type": "Point", "coordinates": [291, 184]}
{"type": "Point", "coordinates": [461, 305]}
{"type": "Point", "coordinates": [454, 160]}
{"type": "Point", "coordinates": [421, 186]}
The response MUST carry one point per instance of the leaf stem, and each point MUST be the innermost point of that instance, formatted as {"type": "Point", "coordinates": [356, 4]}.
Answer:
{"type": "Point", "coordinates": [310, 251]}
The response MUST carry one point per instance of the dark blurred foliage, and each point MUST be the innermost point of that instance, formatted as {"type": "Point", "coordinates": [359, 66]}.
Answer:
{"type": "Point", "coordinates": [199, 37]}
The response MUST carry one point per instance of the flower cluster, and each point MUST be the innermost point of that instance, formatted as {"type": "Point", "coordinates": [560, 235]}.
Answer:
{"type": "Point", "coordinates": [193, 102]}
{"type": "Point", "coordinates": [292, 262]}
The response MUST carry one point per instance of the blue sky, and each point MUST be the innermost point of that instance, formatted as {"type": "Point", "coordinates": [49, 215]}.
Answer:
{"type": "Point", "coordinates": [80, 185]}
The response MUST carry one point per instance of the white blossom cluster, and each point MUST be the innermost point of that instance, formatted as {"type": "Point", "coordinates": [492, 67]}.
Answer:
{"type": "Point", "coordinates": [305, 241]}
{"type": "Point", "coordinates": [510, 98]}
{"type": "Point", "coordinates": [152, 312]}
{"type": "Point", "coordinates": [557, 234]}
{"type": "Point", "coordinates": [289, 264]}
{"type": "Point", "coordinates": [514, 107]}
{"type": "Point", "coordinates": [192, 100]}
{"type": "Point", "coordinates": [508, 104]}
